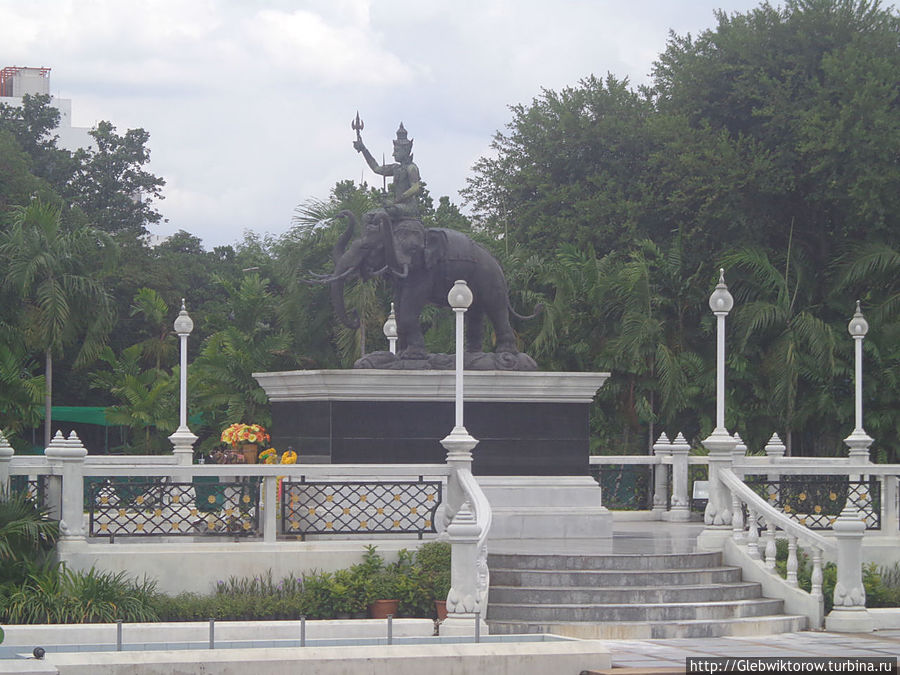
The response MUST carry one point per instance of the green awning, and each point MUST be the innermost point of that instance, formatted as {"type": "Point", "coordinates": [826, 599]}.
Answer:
{"type": "Point", "coordinates": [76, 413]}
{"type": "Point", "coordinates": [95, 415]}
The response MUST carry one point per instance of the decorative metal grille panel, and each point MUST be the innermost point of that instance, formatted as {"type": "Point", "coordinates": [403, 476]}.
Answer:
{"type": "Point", "coordinates": [174, 509]}
{"type": "Point", "coordinates": [817, 501]}
{"type": "Point", "coordinates": [34, 490]}
{"type": "Point", "coordinates": [364, 507]}
{"type": "Point", "coordinates": [625, 486]}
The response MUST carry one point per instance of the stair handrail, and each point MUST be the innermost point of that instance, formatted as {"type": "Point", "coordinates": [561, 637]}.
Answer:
{"type": "Point", "coordinates": [768, 512]}
{"type": "Point", "coordinates": [758, 509]}
{"type": "Point", "coordinates": [468, 532]}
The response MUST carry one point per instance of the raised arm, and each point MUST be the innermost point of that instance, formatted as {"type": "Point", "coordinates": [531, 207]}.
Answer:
{"type": "Point", "coordinates": [381, 170]}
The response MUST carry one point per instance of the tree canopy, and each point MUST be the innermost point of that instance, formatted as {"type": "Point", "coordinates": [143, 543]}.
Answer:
{"type": "Point", "coordinates": [767, 145]}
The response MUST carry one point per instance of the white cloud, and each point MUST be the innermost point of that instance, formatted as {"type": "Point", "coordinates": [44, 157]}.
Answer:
{"type": "Point", "coordinates": [248, 104]}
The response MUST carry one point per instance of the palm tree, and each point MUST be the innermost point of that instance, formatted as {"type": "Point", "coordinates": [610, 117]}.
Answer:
{"type": "Point", "coordinates": [54, 270]}
{"type": "Point", "coordinates": [148, 398]}
{"type": "Point", "coordinates": [777, 315]}
{"type": "Point", "coordinates": [21, 391]}
{"type": "Point", "coordinates": [160, 346]}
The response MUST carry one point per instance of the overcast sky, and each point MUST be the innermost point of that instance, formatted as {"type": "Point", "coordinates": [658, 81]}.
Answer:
{"type": "Point", "coordinates": [249, 103]}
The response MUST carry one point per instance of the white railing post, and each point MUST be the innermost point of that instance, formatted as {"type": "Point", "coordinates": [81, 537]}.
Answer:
{"type": "Point", "coordinates": [68, 455]}
{"type": "Point", "coordinates": [6, 455]}
{"type": "Point", "coordinates": [720, 443]}
{"type": "Point", "coordinates": [771, 548]}
{"type": "Point", "coordinates": [752, 533]}
{"type": "Point", "coordinates": [849, 614]}
{"type": "Point", "coordinates": [660, 492]}
{"type": "Point", "coordinates": [737, 517]}
{"type": "Point", "coordinates": [738, 453]}
{"type": "Point", "coordinates": [890, 503]}
{"type": "Point", "coordinates": [680, 506]}
{"type": "Point", "coordinates": [775, 450]}
{"type": "Point", "coordinates": [816, 575]}
{"type": "Point", "coordinates": [792, 562]}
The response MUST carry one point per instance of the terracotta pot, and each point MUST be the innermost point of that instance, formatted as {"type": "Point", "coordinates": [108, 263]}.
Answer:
{"type": "Point", "coordinates": [441, 607]}
{"type": "Point", "coordinates": [381, 608]}
{"type": "Point", "coordinates": [249, 451]}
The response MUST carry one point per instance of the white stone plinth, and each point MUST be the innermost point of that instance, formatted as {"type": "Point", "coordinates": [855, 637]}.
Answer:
{"type": "Point", "coordinates": [431, 385]}
{"type": "Point", "coordinates": [541, 507]}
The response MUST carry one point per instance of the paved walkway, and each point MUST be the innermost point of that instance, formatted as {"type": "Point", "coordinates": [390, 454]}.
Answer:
{"type": "Point", "coordinates": [661, 537]}
{"type": "Point", "coordinates": [654, 654]}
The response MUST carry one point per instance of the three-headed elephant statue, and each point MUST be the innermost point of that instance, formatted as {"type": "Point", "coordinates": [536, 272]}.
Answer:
{"type": "Point", "coordinates": [424, 264]}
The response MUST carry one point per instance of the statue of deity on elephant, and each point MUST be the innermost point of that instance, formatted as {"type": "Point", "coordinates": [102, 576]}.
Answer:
{"type": "Point", "coordinates": [423, 263]}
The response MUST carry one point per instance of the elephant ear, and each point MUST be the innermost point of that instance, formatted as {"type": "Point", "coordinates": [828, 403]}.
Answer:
{"type": "Point", "coordinates": [390, 243]}
{"type": "Point", "coordinates": [435, 247]}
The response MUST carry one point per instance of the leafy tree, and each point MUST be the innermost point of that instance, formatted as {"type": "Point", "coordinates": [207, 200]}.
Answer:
{"type": "Point", "coordinates": [569, 169]}
{"type": "Point", "coordinates": [55, 273]}
{"type": "Point", "coordinates": [111, 185]}
{"type": "Point", "coordinates": [32, 125]}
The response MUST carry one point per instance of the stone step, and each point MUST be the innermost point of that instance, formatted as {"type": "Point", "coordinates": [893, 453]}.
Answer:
{"type": "Point", "coordinates": [613, 578]}
{"type": "Point", "coordinates": [634, 630]}
{"type": "Point", "coordinates": [642, 561]}
{"type": "Point", "coordinates": [650, 612]}
{"type": "Point", "coordinates": [589, 595]}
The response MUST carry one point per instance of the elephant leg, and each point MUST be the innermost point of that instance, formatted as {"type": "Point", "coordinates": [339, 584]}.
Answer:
{"type": "Point", "coordinates": [506, 337]}
{"type": "Point", "coordinates": [410, 301]}
{"type": "Point", "coordinates": [475, 330]}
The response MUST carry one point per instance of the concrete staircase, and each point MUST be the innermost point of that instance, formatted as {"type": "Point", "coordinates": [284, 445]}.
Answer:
{"type": "Point", "coordinates": [629, 596]}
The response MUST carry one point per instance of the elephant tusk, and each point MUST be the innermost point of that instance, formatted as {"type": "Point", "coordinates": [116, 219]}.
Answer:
{"type": "Point", "coordinates": [404, 273]}
{"type": "Point", "coordinates": [324, 279]}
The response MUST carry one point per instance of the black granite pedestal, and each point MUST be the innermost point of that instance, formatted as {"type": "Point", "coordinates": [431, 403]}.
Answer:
{"type": "Point", "coordinates": [527, 424]}
{"type": "Point", "coordinates": [532, 430]}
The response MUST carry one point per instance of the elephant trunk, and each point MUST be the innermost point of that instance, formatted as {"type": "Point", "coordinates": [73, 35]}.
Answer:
{"type": "Point", "coordinates": [341, 245]}
{"type": "Point", "coordinates": [337, 301]}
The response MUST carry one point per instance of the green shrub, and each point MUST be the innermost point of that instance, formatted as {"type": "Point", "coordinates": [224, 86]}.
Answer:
{"type": "Point", "coordinates": [882, 585]}
{"type": "Point", "coordinates": [27, 537]}
{"type": "Point", "coordinates": [53, 594]}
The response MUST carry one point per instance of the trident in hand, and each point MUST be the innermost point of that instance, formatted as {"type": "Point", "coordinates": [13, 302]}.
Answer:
{"type": "Point", "coordinates": [357, 126]}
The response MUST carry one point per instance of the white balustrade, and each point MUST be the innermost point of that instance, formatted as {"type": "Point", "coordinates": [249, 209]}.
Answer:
{"type": "Point", "coordinates": [660, 497]}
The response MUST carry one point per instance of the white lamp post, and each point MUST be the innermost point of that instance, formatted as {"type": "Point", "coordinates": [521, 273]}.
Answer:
{"type": "Point", "coordinates": [390, 330]}
{"type": "Point", "coordinates": [858, 441]}
{"type": "Point", "coordinates": [467, 598]}
{"type": "Point", "coordinates": [183, 440]}
{"type": "Point", "coordinates": [720, 443]}
{"type": "Point", "coordinates": [460, 299]}
{"type": "Point", "coordinates": [459, 443]}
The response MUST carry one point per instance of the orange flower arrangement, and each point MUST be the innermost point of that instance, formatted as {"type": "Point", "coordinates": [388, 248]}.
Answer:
{"type": "Point", "coordinates": [244, 433]}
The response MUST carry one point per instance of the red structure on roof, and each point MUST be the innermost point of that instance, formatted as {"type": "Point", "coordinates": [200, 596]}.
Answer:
{"type": "Point", "coordinates": [8, 73]}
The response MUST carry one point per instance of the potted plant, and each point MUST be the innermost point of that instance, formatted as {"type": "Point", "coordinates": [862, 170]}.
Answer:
{"type": "Point", "coordinates": [246, 436]}
{"type": "Point", "coordinates": [381, 592]}
{"type": "Point", "coordinates": [433, 561]}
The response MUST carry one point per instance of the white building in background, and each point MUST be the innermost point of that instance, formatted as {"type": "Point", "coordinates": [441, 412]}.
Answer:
{"type": "Point", "coordinates": [16, 81]}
